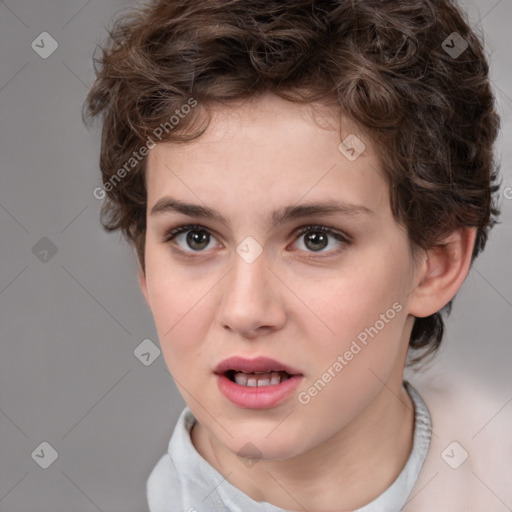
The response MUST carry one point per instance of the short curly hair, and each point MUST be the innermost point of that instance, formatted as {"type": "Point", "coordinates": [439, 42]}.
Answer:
{"type": "Point", "coordinates": [386, 65]}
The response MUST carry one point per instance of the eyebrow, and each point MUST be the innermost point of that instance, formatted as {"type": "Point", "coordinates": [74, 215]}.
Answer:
{"type": "Point", "coordinates": [280, 216]}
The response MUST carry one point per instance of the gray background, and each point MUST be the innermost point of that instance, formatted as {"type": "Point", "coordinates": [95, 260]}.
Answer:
{"type": "Point", "coordinates": [69, 326]}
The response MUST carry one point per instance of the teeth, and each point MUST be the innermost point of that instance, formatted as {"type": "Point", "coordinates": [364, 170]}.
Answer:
{"type": "Point", "coordinates": [253, 383]}
{"type": "Point", "coordinates": [275, 379]}
{"type": "Point", "coordinates": [263, 378]}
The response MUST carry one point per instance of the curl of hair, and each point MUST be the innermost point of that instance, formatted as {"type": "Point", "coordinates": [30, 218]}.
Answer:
{"type": "Point", "coordinates": [431, 116]}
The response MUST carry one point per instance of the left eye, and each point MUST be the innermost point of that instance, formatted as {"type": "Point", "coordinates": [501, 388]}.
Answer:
{"type": "Point", "coordinates": [318, 236]}
{"type": "Point", "coordinates": [198, 238]}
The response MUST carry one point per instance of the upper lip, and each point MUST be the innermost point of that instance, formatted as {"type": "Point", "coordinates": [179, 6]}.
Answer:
{"type": "Point", "coordinates": [258, 364]}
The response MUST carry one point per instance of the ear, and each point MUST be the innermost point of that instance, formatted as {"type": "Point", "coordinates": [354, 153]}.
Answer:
{"type": "Point", "coordinates": [442, 272]}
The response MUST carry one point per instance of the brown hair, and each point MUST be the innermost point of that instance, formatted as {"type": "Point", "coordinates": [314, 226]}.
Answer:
{"type": "Point", "coordinates": [430, 113]}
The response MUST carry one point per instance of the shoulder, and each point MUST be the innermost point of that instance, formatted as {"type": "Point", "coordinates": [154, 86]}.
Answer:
{"type": "Point", "coordinates": [163, 487]}
{"type": "Point", "coordinates": [469, 462]}
{"type": "Point", "coordinates": [182, 479]}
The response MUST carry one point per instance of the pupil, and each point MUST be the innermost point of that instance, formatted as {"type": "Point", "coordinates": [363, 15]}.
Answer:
{"type": "Point", "coordinates": [317, 239]}
{"type": "Point", "coordinates": [198, 237]}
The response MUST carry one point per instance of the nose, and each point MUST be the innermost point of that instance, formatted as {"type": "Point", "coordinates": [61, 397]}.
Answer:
{"type": "Point", "coordinates": [251, 305]}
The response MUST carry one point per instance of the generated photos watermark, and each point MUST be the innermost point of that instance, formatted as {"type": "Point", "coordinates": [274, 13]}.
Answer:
{"type": "Point", "coordinates": [137, 156]}
{"type": "Point", "coordinates": [357, 345]}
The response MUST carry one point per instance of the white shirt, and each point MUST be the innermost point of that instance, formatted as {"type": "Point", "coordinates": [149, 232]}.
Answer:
{"type": "Point", "coordinates": [182, 481]}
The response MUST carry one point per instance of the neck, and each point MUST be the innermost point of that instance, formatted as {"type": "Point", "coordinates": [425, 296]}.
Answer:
{"type": "Point", "coordinates": [347, 471]}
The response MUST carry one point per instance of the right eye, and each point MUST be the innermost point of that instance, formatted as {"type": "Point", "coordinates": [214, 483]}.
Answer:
{"type": "Point", "coordinates": [196, 237]}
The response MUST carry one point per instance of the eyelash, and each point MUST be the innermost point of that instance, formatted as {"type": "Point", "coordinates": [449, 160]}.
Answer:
{"type": "Point", "coordinates": [173, 233]}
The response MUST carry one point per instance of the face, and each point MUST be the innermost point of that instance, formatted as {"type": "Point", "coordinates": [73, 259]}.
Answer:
{"type": "Point", "coordinates": [325, 293]}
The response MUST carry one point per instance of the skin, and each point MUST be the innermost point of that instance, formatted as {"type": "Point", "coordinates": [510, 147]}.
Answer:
{"type": "Point", "coordinates": [298, 305]}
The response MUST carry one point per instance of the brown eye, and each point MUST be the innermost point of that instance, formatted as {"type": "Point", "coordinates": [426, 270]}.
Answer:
{"type": "Point", "coordinates": [317, 238]}
{"type": "Point", "coordinates": [196, 238]}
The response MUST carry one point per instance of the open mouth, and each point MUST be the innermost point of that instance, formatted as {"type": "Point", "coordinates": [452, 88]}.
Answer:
{"type": "Point", "coordinates": [258, 382]}
{"type": "Point", "coordinates": [257, 379]}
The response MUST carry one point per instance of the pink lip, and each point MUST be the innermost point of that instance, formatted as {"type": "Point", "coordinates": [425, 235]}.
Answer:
{"type": "Point", "coordinates": [259, 364]}
{"type": "Point", "coordinates": [263, 397]}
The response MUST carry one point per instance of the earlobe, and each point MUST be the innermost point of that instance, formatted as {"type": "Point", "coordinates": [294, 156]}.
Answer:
{"type": "Point", "coordinates": [443, 272]}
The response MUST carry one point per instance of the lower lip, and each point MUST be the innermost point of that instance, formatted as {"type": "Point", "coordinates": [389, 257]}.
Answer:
{"type": "Point", "coordinates": [263, 397]}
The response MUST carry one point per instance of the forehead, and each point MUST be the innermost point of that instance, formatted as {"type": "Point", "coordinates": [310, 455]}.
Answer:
{"type": "Point", "coordinates": [269, 152]}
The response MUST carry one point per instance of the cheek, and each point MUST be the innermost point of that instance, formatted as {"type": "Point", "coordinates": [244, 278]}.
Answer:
{"type": "Point", "coordinates": [342, 306]}
{"type": "Point", "coordinates": [347, 373]}
{"type": "Point", "coordinates": [179, 306]}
